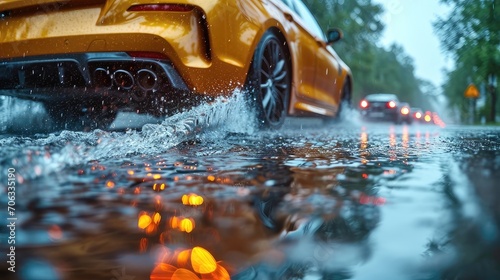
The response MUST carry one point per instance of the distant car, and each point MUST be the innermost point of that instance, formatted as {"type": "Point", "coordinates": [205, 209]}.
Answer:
{"type": "Point", "coordinates": [405, 112]}
{"type": "Point", "coordinates": [85, 60]}
{"type": "Point", "coordinates": [417, 114]}
{"type": "Point", "coordinates": [381, 106]}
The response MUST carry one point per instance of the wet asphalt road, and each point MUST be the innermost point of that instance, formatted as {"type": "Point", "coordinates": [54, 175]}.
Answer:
{"type": "Point", "coordinates": [185, 199]}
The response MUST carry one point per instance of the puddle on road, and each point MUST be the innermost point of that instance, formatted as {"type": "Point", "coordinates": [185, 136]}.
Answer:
{"type": "Point", "coordinates": [179, 200]}
{"type": "Point", "coordinates": [43, 155]}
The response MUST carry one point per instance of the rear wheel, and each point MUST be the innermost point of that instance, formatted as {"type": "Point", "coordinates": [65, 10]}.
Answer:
{"type": "Point", "coordinates": [77, 117]}
{"type": "Point", "coordinates": [269, 81]}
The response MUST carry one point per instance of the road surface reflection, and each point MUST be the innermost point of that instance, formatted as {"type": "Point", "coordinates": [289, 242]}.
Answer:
{"type": "Point", "coordinates": [336, 202]}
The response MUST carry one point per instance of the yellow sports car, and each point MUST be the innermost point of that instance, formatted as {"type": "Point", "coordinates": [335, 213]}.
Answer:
{"type": "Point", "coordinates": [87, 59]}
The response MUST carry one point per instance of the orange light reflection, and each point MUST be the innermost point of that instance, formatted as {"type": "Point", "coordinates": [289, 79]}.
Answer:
{"type": "Point", "coordinates": [192, 199]}
{"type": "Point", "coordinates": [202, 261]}
{"type": "Point", "coordinates": [163, 271]}
{"type": "Point", "coordinates": [188, 264]}
{"type": "Point", "coordinates": [156, 218]}
{"type": "Point", "coordinates": [187, 225]}
{"type": "Point", "coordinates": [183, 259]}
{"type": "Point", "coordinates": [220, 273]}
{"type": "Point", "coordinates": [144, 221]}
{"type": "Point", "coordinates": [184, 274]}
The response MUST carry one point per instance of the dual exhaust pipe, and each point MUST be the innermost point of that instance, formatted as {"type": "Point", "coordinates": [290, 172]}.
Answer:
{"type": "Point", "coordinates": [145, 79]}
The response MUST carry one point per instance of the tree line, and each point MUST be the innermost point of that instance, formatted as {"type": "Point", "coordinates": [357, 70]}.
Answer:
{"type": "Point", "coordinates": [375, 69]}
{"type": "Point", "coordinates": [471, 35]}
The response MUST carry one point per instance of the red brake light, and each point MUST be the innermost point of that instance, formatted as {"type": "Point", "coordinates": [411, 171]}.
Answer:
{"type": "Point", "coordinates": [418, 115]}
{"type": "Point", "coordinates": [405, 111]}
{"type": "Point", "coordinates": [160, 8]}
{"type": "Point", "coordinates": [364, 104]}
{"type": "Point", "coordinates": [391, 104]}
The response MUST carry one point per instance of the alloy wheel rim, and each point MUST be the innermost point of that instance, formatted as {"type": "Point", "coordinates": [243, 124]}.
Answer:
{"type": "Point", "coordinates": [274, 83]}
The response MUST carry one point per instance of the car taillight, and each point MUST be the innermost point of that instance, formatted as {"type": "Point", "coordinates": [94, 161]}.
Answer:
{"type": "Point", "coordinates": [153, 55]}
{"type": "Point", "coordinates": [427, 118]}
{"type": "Point", "coordinates": [364, 104]}
{"type": "Point", "coordinates": [405, 111]}
{"type": "Point", "coordinates": [160, 8]}
{"type": "Point", "coordinates": [418, 115]}
{"type": "Point", "coordinates": [391, 104]}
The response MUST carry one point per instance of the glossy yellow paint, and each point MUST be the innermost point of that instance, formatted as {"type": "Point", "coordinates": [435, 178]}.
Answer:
{"type": "Point", "coordinates": [211, 46]}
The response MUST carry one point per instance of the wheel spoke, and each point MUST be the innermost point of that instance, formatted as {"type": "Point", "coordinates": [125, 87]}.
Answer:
{"type": "Point", "coordinates": [279, 68]}
{"type": "Point", "coordinates": [267, 97]}
{"type": "Point", "coordinates": [280, 78]}
{"type": "Point", "coordinates": [278, 99]}
{"type": "Point", "coordinates": [264, 74]}
{"type": "Point", "coordinates": [265, 63]}
{"type": "Point", "coordinates": [270, 103]}
{"type": "Point", "coordinates": [266, 84]}
{"type": "Point", "coordinates": [282, 86]}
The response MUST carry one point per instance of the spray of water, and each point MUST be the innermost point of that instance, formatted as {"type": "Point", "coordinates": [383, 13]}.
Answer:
{"type": "Point", "coordinates": [219, 117]}
{"type": "Point", "coordinates": [69, 148]}
{"type": "Point", "coordinates": [350, 116]}
{"type": "Point", "coordinates": [16, 113]}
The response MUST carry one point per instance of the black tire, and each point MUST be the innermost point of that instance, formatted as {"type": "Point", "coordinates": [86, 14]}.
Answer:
{"type": "Point", "coordinates": [83, 118]}
{"type": "Point", "coordinates": [269, 81]}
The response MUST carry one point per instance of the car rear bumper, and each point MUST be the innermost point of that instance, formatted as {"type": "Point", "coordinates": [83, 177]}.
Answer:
{"type": "Point", "coordinates": [380, 115]}
{"type": "Point", "coordinates": [113, 77]}
{"type": "Point", "coordinates": [198, 52]}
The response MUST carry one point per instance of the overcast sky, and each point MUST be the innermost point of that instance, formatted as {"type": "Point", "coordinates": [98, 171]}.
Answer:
{"type": "Point", "coordinates": [409, 23]}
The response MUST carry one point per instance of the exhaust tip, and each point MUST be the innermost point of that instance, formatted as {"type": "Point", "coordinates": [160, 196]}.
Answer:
{"type": "Point", "coordinates": [123, 79]}
{"type": "Point", "coordinates": [102, 78]}
{"type": "Point", "coordinates": [146, 79]}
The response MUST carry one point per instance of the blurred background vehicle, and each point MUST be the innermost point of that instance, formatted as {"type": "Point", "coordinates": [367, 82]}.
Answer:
{"type": "Point", "coordinates": [380, 106]}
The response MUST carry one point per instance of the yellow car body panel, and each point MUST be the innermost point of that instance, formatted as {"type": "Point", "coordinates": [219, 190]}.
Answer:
{"type": "Point", "coordinates": [211, 46]}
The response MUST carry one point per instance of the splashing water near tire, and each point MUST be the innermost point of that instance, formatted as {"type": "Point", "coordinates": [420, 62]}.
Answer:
{"type": "Point", "coordinates": [42, 156]}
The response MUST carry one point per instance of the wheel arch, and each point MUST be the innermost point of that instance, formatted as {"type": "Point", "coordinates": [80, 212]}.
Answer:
{"type": "Point", "coordinates": [278, 30]}
{"type": "Point", "coordinates": [348, 82]}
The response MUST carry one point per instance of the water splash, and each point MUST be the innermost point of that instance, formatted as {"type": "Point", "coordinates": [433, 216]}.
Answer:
{"type": "Point", "coordinates": [350, 116]}
{"type": "Point", "coordinates": [224, 115]}
{"type": "Point", "coordinates": [69, 148]}
{"type": "Point", "coordinates": [16, 113]}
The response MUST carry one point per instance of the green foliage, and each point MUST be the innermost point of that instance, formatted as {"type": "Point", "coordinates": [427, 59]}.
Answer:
{"type": "Point", "coordinates": [375, 69]}
{"type": "Point", "coordinates": [471, 34]}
